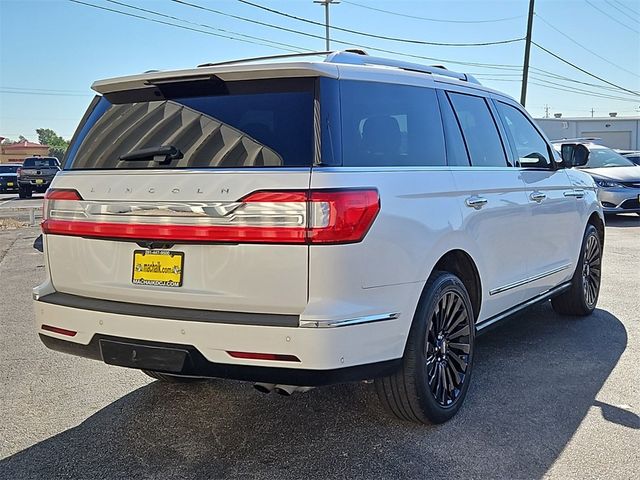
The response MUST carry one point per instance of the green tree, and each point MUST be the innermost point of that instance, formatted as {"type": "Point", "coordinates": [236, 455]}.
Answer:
{"type": "Point", "coordinates": [46, 136]}
{"type": "Point", "coordinates": [57, 145]}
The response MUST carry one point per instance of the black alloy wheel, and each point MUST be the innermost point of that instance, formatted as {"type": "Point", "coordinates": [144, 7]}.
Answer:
{"type": "Point", "coordinates": [581, 297]}
{"type": "Point", "coordinates": [433, 381]}
{"type": "Point", "coordinates": [448, 345]}
{"type": "Point", "coordinates": [591, 271]}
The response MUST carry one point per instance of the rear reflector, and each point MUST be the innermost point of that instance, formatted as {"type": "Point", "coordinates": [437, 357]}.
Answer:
{"type": "Point", "coordinates": [61, 331]}
{"type": "Point", "coordinates": [264, 356]}
{"type": "Point", "coordinates": [282, 217]}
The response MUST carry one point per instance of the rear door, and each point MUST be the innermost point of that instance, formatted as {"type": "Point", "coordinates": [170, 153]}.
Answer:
{"type": "Point", "coordinates": [217, 223]}
{"type": "Point", "coordinates": [492, 199]}
{"type": "Point", "coordinates": [554, 229]}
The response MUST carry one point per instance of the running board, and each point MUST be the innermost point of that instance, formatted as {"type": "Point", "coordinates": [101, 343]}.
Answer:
{"type": "Point", "coordinates": [485, 325]}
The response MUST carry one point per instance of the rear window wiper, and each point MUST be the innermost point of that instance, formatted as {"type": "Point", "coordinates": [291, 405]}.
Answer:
{"type": "Point", "coordinates": [162, 154]}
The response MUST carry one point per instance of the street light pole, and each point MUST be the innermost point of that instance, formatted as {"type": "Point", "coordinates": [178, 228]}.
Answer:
{"type": "Point", "coordinates": [326, 4]}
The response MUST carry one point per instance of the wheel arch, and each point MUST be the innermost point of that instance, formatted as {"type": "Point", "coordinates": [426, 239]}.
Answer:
{"type": "Point", "coordinates": [597, 221]}
{"type": "Point", "coordinates": [460, 263]}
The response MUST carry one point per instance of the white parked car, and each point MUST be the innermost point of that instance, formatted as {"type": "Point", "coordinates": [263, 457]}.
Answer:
{"type": "Point", "coordinates": [297, 224]}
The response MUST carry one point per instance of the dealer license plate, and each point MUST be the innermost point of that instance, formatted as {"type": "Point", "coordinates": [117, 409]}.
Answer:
{"type": "Point", "coordinates": [163, 268]}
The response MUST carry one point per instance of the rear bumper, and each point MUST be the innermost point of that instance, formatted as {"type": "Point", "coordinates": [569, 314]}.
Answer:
{"type": "Point", "coordinates": [195, 364]}
{"type": "Point", "coordinates": [326, 355]}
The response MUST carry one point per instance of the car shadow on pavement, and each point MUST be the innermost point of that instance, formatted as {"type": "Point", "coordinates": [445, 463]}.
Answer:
{"type": "Point", "coordinates": [534, 381]}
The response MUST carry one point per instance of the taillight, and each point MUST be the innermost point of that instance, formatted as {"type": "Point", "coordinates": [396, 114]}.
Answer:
{"type": "Point", "coordinates": [281, 216]}
{"type": "Point", "coordinates": [18, 171]}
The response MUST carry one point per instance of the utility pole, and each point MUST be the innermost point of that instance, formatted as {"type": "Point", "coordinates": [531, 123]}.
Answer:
{"type": "Point", "coordinates": [527, 51]}
{"type": "Point", "coordinates": [546, 111]}
{"type": "Point", "coordinates": [326, 4]}
{"type": "Point", "coordinates": [592, 112]}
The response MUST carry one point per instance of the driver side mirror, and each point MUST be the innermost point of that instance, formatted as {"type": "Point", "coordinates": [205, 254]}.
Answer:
{"type": "Point", "coordinates": [574, 155]}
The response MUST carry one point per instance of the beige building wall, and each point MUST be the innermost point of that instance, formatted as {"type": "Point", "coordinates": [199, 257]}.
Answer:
{"type": "Point", "coordinates": [18, 154]}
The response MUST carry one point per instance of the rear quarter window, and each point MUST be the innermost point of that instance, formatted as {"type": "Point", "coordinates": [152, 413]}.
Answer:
{"type": "Point", "coordinates": [390, 125]}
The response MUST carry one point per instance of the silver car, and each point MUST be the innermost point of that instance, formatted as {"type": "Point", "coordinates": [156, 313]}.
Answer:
{"type": "Point", "coordinates": [617, 178]}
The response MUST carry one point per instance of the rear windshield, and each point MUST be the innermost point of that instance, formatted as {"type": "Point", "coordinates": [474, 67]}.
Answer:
{"type": "Point", "coordinates": [40, 162]}
{"type": "Point", "coordinates": [267, 123]}
{"type": "Point", "coordinates": [8, 168]}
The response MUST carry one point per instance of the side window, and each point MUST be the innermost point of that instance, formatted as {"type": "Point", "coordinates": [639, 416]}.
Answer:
{"type": "Point", "coordinates": [531, 149]}
{"type": "Point", "coordinates": [390, 125]}
{"type": "Point", "coordinates": [479, 130]}
{"type": "Point", "coordinates": [457, 155]}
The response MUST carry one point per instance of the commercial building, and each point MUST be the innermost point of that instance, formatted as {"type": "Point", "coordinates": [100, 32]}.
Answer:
{"type": "Point", "coordinates": [615, 132]}
{"type": "Point", "coordinates": [17, 152]}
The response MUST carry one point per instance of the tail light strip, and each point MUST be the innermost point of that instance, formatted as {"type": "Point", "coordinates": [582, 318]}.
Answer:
{"type": "Point", "coordinates": [291, 217]}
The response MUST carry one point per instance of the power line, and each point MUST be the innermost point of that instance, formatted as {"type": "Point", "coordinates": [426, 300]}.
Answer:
{"type": "Point", "coordinates": [579, 93]}
{"type": "Point", "coordinates": [583, 70]}
{"type": "Point", "coordinates": [591, 92]}
{"type": "Point", "coordinates": [43, 89]}
{"type": "Point", "coordinates": [583, 47]}
{"type": "Point", "coordinates": [51, 94]}
{"type": "Point", "coordinates": [428, 19]}
{"type": "Point", "coordinates": [628, 8]}
{"type": "Point", "coordinates": [373, 35]}
{"type": "Point", "coordinates": [153, 12]}
{"type": "Point", "coordinates": [173, 24]}
{"type": "Point", "coordinates": [625, 13]}
{"type": "Point", "coordinates": [496, 66]}
{"type": "Point", "coordinates": [611, 17]}
{"type": "Point", "coordinates": [556, 76]}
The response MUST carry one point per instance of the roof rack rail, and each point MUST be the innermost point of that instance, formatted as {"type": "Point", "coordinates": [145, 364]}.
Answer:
{"type": "Point", "coordinates": [353, 58]}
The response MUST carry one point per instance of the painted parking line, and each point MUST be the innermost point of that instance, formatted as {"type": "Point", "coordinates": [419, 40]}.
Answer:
{"type": "Point", "coordinates": [7, 201]}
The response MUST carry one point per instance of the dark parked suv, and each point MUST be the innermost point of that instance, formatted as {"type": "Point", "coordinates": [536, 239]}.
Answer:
{"type": "Point", "coordinates": [8, 178]}
{"type": "Point", "coordinates": [36, 174]}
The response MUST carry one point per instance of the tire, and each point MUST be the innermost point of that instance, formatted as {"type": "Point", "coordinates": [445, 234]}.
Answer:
{"type": "Point", "coordinates": [434, 378]}
{"type": "Point", "coordinates": [582, 296]}
{"type": "Point", "coordinates": [23, 192]}
{"type": "Point", "coordinates": [167, 377]}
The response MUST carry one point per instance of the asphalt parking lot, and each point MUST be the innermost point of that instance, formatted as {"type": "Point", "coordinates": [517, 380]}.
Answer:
{"type": "Point", "coordinates": [551, 397]}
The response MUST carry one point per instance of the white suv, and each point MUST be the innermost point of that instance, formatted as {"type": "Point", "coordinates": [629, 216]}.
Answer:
{"type": "Point", "coordinates": [297, 224]}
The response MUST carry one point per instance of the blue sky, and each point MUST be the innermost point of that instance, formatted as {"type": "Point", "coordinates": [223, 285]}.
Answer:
{"type": "Point", "coordinates": [51, 51]}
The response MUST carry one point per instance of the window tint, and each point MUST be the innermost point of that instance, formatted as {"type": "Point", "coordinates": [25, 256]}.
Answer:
{"type": "Point", "coordinates": [456, 150]}
{"type": "Point", "coordinates": [531, 149]}
{"type": "Point", "coordinates": [263, 125]}
{"type": "Point", "coordinates": [40, 162]}
{"type": "Point", "coordinates": [390, 125]}
{"type": "Point", "coordinates": [479, 129]}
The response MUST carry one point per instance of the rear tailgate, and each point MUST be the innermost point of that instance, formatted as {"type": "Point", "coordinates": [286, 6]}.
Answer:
{"type": "Point", "coordinates": [246, 277]}
{"type": "Point", "coordinates": [197, 229]}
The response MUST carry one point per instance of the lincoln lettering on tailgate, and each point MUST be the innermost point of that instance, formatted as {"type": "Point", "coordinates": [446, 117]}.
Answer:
{"type": "Point", "coordinates": [158, 268]}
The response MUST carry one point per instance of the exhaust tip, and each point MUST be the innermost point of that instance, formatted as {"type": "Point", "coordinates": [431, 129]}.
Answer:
{"type": "Point", "coordinates": [282, 391]}
{"type": "Point", "coordinates": [264, 387]}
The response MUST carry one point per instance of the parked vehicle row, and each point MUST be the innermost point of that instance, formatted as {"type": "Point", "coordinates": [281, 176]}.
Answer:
{"type": "Point", "coordinates": [34, 174]}
{"type": "Point", "coordinates": [298, 224]}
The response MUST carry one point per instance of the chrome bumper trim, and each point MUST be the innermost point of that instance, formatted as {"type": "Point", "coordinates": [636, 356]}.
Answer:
{"type": "Point", "coordinates": [349, 321]}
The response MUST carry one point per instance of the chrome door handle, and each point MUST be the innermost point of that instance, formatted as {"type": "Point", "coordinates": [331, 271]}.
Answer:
{"type": "Point", "coordinates": [475, 202]}
{"type": "Point", "coordinates": [578, 193]}
{"type": "Point", "coordinates": [537, 196]}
